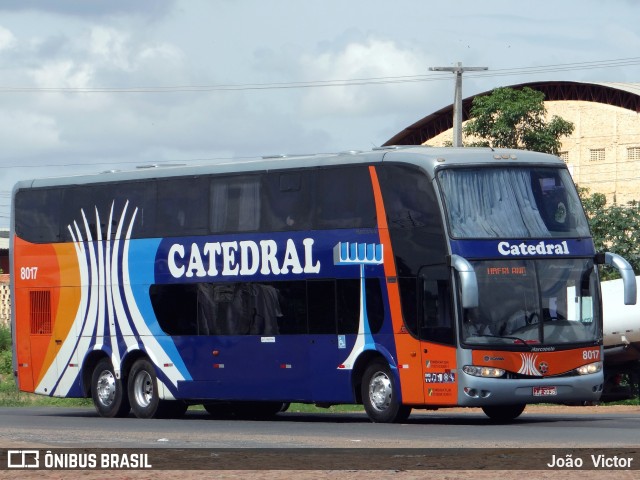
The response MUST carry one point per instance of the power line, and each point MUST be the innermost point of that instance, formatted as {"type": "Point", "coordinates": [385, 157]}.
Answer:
{"type": "Point", "coordinates": [622, 62]}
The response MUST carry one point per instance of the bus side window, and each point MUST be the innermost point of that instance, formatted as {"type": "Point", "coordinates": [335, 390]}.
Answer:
{"type": "Point", "coordinates": [293, 307]}
{"type": "Point", "coordinates": [344, 198]}
{"type": "Point", "coordinates": [408, 196]}
{"type": "Point", "coordinates": [409, 301]}
{"type": "Point", "coordinates": [235, 204]}
{"type": "Point", "coordinates": [182, 207]}
{"type": "Point", "coordinates": [287, 201]}
{"type": "Point", "coordinates": [348, 305]}
{"type": "Point", "coordinates": [37, 214]}
{"type": "Point", "coordinates": [321, 295]}
{"type": "Point", "coordinates": [175, 307]}
{"type": "Point", "coordinates": [436, 319]}
{"type": "Point", "coordinates": [106, 207]}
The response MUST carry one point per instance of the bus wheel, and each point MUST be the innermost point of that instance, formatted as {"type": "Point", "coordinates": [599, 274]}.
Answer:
{"type": "Point", "coordinates": [143, 394]}
{"type": "Point", "coordinates": [107, 391]}
{"type": "Point", "coordinates": [503, 413]}
{"type": "Point", "coordinates": [379, 395]}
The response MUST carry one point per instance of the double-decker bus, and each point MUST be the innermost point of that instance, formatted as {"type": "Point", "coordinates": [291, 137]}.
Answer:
{"type": "Point", "coordinates": [400, 278]}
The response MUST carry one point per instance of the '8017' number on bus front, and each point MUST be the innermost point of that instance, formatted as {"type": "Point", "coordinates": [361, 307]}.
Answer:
{"type": "Point", "coordinates": [28, 273]}
{"type": "Point", "coordinates": [590, 354]}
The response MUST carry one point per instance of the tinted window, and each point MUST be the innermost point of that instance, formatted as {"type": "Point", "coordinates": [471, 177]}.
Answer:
{"type": "Point", "coordinates": [235, 204]}
{"type": "Point", "coordinates": [409, 198]}
{"type": "Point", "coordinates": [101, 211]}
{"type": "Point", "coordinates": [287, 204]}
{"type": "Point", "coordinates": [271, 308]}
{"type": "Point", "coordinates": [426, 305]}
{"type": "Point", "coordinates": [231, 308]}
{"type": "Point", "coordinates": [37, 215]}
{"type": "Point", "coordinates": [345, 198]}
{"type": "Point", "coordinates": [409, 301]}
{"type": "Point", "coordinates": [414, 218]}
{"type": "Point", "coordinates": [436, 320]}
{"type": "Point", "coordinates": [348, 303]}
{"type": "Point", "coordinates": [237, 309]}
{"type": "Point", "coordinates": [183, 206]}
{"type": "Point", "coordinates": [321, 295]}
{"type": "Point", "coordinates": [293, 304]}
{"type": "Point", "coordinates": [176, 308]}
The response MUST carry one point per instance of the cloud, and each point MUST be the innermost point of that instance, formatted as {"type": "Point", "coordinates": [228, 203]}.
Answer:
{"type": "Point", "coordinates": [369, 59]}
{"type": "Point", "coordinates": [24, 133]}
{"type": "Point", "coordinates": [7, 39]}
{"type": "Point", "coordinates": [86, 8]}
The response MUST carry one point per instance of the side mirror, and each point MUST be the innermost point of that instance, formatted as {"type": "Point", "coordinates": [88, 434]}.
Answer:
{"type": "Point", "coordinates": [468, 281]}
{"type": "Point", "coordinates": [626, 272]}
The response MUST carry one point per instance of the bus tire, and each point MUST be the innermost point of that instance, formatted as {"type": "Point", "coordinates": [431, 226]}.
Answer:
{"type": "Point", "coordinates": [108, 391]}
{"type": "Point", "coordinates": [379, 395]}
{"type": "Point", "coordinates": [143, 394]}
{"type": "Point", "coordinates": [503, 413]}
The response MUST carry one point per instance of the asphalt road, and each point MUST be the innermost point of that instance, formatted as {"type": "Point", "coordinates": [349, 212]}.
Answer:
{"type": "Point", "coordinates": [81, 427]}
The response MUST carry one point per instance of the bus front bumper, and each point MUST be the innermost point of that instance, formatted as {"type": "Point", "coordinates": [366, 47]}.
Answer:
{"type": "Point", "coordinates": [480, 392]}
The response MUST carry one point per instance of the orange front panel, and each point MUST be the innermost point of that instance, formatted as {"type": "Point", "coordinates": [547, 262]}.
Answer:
{"type": "Point", "coordinates": [537, 363]}
{"type": "Point", "coordinates": [440, 374]}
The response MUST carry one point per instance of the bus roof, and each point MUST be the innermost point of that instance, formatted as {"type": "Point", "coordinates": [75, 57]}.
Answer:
{"type": "Point", "coordinates": [427, 158]}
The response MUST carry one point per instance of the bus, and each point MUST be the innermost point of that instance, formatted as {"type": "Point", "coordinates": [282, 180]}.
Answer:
{"type": "Point", "coordinates": [400, 278]}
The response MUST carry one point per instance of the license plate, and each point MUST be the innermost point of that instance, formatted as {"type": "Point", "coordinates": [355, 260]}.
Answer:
{"type": "Point", "coordinates": [544, 391]}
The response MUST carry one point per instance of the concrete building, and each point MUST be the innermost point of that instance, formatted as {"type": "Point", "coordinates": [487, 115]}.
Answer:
{"type": "Point", "coordinates": [603, 153]}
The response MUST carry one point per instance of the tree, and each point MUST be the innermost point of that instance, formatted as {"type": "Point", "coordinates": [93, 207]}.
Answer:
{"type": "Point", "coordinates": [615, 228]}
{"type": "Point", "coordinates": [509, 118]}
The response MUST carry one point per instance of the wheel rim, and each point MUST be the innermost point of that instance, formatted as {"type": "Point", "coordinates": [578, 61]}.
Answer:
{"type": "Point", "coordinates": [106, 388]}
{"type": "Point", "coordinates": [143, 389]}
{"type": "Point", "coordinates": [380, 391]}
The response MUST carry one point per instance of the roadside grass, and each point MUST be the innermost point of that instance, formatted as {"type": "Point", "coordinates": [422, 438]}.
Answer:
{"type": "Point", "coordinates": [11, 397]}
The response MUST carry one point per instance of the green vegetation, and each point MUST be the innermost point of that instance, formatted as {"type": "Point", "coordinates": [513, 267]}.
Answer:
{"type": "Point", "coordinates": [510, 118]}
{"type": "Point", "coordinates": [615, 228]}
{"type": "Point", "coordinates": [9, 394]}
{"type": "Point", "coordinates": [306, 408]}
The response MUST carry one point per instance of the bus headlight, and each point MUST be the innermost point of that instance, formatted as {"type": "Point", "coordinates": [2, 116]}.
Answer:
{"type": "Point", "coordinates": [589, 368]}
{"type": "Point", "coordinates": [476, 371]}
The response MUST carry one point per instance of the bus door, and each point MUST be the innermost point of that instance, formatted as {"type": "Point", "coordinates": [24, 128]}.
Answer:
{"type": "Point", "coordinates": [435, 327]}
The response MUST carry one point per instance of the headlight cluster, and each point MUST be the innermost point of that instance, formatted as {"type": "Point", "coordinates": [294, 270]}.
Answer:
{"type": "Point", "coordinates": [589, 368]}
{"type": "Point", "coordinates": [490, 372]}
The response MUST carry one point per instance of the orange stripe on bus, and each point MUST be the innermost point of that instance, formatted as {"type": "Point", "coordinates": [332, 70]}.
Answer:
{"type": "Point", "coordinates": [407, 347]}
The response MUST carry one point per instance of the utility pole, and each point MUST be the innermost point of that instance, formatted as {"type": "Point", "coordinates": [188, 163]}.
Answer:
{"type": "Point", "coordinates": [457, 97]}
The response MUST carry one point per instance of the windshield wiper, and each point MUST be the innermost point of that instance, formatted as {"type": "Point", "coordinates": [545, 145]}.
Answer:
{"type": "Point", "coordinates": [517, 340]}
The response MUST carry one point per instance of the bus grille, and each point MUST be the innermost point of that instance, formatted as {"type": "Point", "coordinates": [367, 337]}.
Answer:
{"type": "Point", "coordinates": [40, 312]}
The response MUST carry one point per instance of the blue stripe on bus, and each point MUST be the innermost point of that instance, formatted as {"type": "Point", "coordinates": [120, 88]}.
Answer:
{"type": "Point", "coordinates": [143, 253]}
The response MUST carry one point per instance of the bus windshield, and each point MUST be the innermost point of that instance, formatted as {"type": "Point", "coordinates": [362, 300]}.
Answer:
{"type": "Point", "coordinates": [529, 302]}
{"type": "Point", "coordinates": [515, 202]}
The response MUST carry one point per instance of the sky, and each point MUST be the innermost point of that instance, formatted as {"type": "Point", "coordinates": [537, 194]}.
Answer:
{"type": "Point", "coordinates": [93, 85]}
